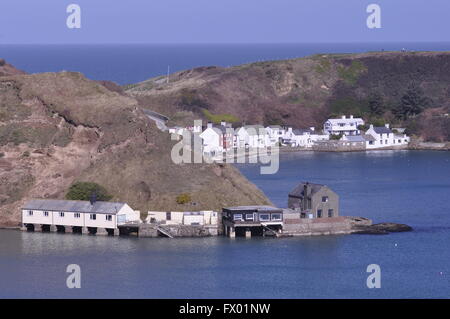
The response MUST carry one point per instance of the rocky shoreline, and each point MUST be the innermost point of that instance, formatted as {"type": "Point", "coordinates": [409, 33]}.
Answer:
{"type": "Point", "coordinates": [381, 229]}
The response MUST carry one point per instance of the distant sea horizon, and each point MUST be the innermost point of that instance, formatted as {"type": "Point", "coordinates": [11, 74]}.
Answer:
{"type": "Point", "coordinates": [132, 63]}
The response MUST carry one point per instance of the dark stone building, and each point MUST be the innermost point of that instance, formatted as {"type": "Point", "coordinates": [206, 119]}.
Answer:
{"type": "Point", "coordinates": [314, 201]}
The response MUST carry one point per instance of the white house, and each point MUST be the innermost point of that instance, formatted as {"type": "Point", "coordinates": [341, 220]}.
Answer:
{"type": "Point", "coordinates": [217, 139]}
{"type": "Point", "coordinates": [384, 137]}
{"type": "Point", "coordinates": [253, 136]}
{"type": "Point", "coordinates": [303, 137]}
{"type": "Point", "coordinates": [77, 216]}
{"type": "Point", "coordinates": [344, 126]}
{"type": "Point", "coordinates": [200, 218]}
{"type": "Point", "coordinates": [276, 134]}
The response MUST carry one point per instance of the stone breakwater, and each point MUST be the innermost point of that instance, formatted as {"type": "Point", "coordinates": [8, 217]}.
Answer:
{"type": "Point", "coordinates": [339, 226]}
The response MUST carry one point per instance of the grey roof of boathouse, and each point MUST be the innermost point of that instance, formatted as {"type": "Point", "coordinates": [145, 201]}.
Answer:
{"type": "Point", "coordinates": [256, 208]}
{"type": "Point", "coordinates": [76, 206]}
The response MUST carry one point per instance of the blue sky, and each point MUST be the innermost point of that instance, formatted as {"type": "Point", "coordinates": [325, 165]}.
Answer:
{"type": "Point", "coordinates": [223, 21]}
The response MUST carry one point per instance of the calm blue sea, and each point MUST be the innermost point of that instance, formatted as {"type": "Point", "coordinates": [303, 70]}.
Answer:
{"type": "Point", "coordinates": [126, 64]}
{"type": "Point", "coordinates": [402, 186]}
{"type": "Point", "coordinates": [409, 187]}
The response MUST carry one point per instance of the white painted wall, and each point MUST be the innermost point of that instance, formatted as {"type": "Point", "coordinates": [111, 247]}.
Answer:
{"type": "Point", "coordinates": [125, 214]}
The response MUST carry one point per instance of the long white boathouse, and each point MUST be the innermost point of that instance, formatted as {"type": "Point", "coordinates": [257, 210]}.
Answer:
{"type": "Point", "coordinates": [86, 217]}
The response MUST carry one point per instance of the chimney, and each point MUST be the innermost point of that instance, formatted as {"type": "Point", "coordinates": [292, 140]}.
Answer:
{"type": "Point", "coordinates": [93, 198]}
{"type": "Point", "coordinates": [312, 128]}
{"type": "Point", "coordinates": [343, 117]}
{"type": "Point", "coordinates": [223, 123]}
{"type": "Point", "coordinates": [209, 125]}
{"type": "Point", "coordinates": [371, 126]}
{"type": "Point", "coordinates": [387, 125]}
{"type": "Point", "coordinates": [307, 190]}
{"type": "Point", "coordinates": [351, 116]}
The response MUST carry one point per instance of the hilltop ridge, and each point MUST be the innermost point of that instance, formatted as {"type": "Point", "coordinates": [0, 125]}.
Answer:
{"type": "Point", "coordinates": [304, 92]}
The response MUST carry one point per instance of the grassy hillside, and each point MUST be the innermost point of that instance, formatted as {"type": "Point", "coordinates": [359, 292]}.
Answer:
{"type": "Point", "coordinates": [304, 92]}
{"type": "Point", "coordinates": [59, 128]}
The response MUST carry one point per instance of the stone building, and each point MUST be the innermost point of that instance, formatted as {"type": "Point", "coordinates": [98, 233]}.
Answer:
{"type": "Point", "coordinates": [314, 201]}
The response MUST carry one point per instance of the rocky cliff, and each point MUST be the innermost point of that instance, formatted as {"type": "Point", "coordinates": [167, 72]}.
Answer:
{"type": "Point", "coordinates": [58, 128]}
{"type": "Point", "coordinates": [304, 92]}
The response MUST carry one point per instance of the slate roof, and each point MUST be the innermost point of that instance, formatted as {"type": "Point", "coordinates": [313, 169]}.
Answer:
{"type": "Point", "coordinates": [253, 208]}
{"type": "Point", "coordinates": [75, 206]}
{"type": "Point", "coordinates": [298, 191]}
{"type": "Point", "coordinates": [382, 130]}
{"type": "Point", "coordinates": [355, 138]}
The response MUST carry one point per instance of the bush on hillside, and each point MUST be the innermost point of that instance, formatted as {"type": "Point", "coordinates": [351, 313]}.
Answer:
{"type": "Point", "coordinates": [84, 191]}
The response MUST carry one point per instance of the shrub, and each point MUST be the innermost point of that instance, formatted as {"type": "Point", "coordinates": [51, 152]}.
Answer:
{"type": "Point", "coordinates": [84, 191]}
{"type": "Point", "coordinates": [217, 118]}
{"type": "Point", "coordinates": [183, 199]}
{"type": "Point", "coordinates": [336, 137]}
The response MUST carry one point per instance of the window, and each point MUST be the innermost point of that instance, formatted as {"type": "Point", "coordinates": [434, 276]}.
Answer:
{"type": "Point", "coordinates": [248, 216]}
{"type": "Point", "coordinates": [108, 217]}
{"type": "Point", "coordinates": [77, 215]}
{"type": "Point", "coordinates": [93, 216]}
{"type": "Point", "coordinates": [237, 217]}
{"type": "Point", "coordinates": [319, 213]}
{"type": "Point", "coordinates": [168, 216]}
{"type": "Point", "coordinates": [324, 199]}
{"type": "Point", "coordinates": [61, 214]}
{"type": "Point", "coordinates": [264, 217]}
{"type": "Point", "coordinates": [46, 214]}
{"type": "Point", "coordinates": [330, 213]}
{"type": "Point", "coordinates": [30, 213]}
{"type": "Point", "coordinates": [276, 216]}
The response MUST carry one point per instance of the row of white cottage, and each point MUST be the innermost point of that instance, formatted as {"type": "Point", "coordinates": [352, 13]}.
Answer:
{"type": "Point", "coordinates": [223, 137]}
{"type": "Point", "coordinates": [219, 138]}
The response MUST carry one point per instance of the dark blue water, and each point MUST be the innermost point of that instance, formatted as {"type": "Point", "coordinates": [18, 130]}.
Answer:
{"type": "Point", "coordinates": [404, 186]}
{"type": "Point", "coordinates": [126, 64]}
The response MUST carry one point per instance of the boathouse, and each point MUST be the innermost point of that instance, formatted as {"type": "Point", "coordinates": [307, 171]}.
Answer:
{"type": "Point", "coordinates": [252, 220]}
{"type": "Point", "coordinates": [94, 217]}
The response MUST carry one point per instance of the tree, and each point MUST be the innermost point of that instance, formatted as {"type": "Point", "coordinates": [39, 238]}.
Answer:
{"type": "Point", "coordinates": [413, 102]}
{"type": "Point", "coordinates": [84, 191]}
{"type": "Point", "coordinates": [376, 103]}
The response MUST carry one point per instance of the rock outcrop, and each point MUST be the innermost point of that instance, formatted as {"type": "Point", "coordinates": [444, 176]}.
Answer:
{"type": "Point", "coordinates": [381, 228]}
